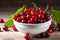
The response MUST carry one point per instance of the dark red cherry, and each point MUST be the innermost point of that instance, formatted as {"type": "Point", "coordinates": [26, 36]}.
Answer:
{"type": "Point", "coordinates": [49, 30]}
{"type": "Point", "coordinates": [28, 16]}
{"type": "Point", "coordinates": [32, 20]}
{"type": "Point", "coordinates": [41, 16]}
{"type": "Point", "coordinates": [22, 13]}
{"type": "Point", "coordinates": [41, 11]}
{"type": "Point", "coordinates": [1, 20]}
{"type": "Point", "coordinates": [18, 19]}
{"type": "Point", "coordinates": [27, 36]}
{"type": "Point", "coordinates": [47, 34]}
{"type": "Point", "coordinates": [5, 28]}
{"type": "Point", "coordinates": [23, 17]}
{"type": "Point", "coordinates": [33, 12]}
{"type": "Point", "coordinates": [14, 28]}
{"type": "Point", "coordinates": [15, 17]}
{"type": "Point", "coordinates": [34, 17]}
{"type": "Point", "coordinates": [23, 21]}
{"type": "Point", "coordinates": [40, 20]}
{"type": "Point", "coordinates": [26, 10]}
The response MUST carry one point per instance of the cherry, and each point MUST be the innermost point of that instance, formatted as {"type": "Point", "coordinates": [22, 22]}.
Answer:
{"type": "Point", "coordinates": [40, 20]}
{"type": "Point", "coordinates": [52, 26]}
{"type": "Point", "coordinates": [26, 10]}
{"type": "Point", "coordinates": [58, 26]}
{"type": "Point", "coordinates": [22, 13]}
{"type": "Point", "coordinates": [5, 28]}
{"type": "Point", "coordinates": [14, 28]}
{"type": "Point", "coordinates": [29, 21]}
{"type": "Point", "coordinates": [47, 17]}
{"type": "Point", "coordinates": [27, 36]}
{"type": "Point", "coordinates": [47, 34]}
{"type": "Point", "coordinates": [1, 20]}
{"type": "Point", "coordinates": [32, 20]}
{"type": "Point", "coordinates": [23, 21]}
{"type": "Point", "coordinates": [23, 17]}
{"type": "Point", "coordinates": [40, 16]}
{"type": "Point", "coordinates": [28, 16]}
{"type": "Point", "coordinates": [33, 12]}
{"type": "Point", "coordinates": [14, 17]}
{"type": "Point", "coordinates": [41, 11]}
{"type": "Point", "coordinates": [49, 30]}
{"type": "Point", "coordinates": [18, 19]}
{"type": "Point", "coordinates": [34, 17]}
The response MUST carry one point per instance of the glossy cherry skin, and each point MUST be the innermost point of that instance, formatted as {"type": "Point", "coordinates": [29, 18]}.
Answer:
{"type": "Point", "coordinates": [14, 28]}
{"type": "Point", "coordinates": [23, 17]}
{"type": "Point", "coordinates": [5, 28]}
{"type": "Point", "coordinates": [33, 12]}
{"type": "Point", "coordinates": [27, 36]}
{"type": "Point", "coordinates": [18, 19]}
{"type": "Point", "coordinates": [49, 30]}
{"type": "Point", "coordinates": [32, 20]}
{"type": "Point", "coordinates": [41, 11]}
{"type": "Point", "coordinates": [23, 21]}
{"type": "Point", "coordinates": [28, 16]}
{"type": "Point", "coordinates": [26, 10]}
{"type": "Point", "coordinates": [1, 20]}
{"type": "Point", "coordinates": [41, 16]}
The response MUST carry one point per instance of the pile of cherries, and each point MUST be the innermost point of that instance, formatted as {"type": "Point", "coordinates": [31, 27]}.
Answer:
{"type": "Point", "coordinates": [43, 35]}
{"type": "Point", "coordinates": [30, 15]}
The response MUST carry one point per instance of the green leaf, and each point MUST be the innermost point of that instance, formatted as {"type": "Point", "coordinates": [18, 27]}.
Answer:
{"type": "Point", "coordinates": [11, 16]}
{"type": "Point", "coordinates": [9, 23]}
{"type": "Point", "coordinates": [55, 16]}
{"type": "Point", "coordinates": [17, 12]}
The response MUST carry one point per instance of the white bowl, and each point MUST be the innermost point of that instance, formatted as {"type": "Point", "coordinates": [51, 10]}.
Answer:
{"type": "Point", "coordinates": [32, 28]}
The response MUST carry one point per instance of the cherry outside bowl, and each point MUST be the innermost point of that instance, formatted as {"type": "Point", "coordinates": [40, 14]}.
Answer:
{"type": "Point", "coordinates": [32, 28]}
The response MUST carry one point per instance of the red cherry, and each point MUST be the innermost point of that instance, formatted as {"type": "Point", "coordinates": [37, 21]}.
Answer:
{"type": "Point", "coordinates": [34, 17]}
{"type": "Point", "coordinates": [41, 11]}
{"type": "Point", "coordinates": [28, 16]}
{"type": "Point", "coordinates": [40, 20]}
{"type": "Point", "coordinates": [40, 16]}
{"type": "Point", "coordinates": [53, 29]}
{"type": "Point", "coordinates": [52, 26]}
{"type": "Point", "coordinates": [23, 21]}
{"type": "Point", "coordinates": [14, 17]}
{"type": "Point", "coordinates": [14, 28]}
{"type": "Point", "coordinates": [47, 18]}
{"type": "Point", "coordinates": [47, 34]}
{"type": "Point", "coordinates": [18, 19]}
{"type": "Point", "coordinates": [1, 20]}
{"type": "Point", "coordinates": [5, 28]}
{"type": "Point", "coordinates": [30, 9]}
{"type": "Point", "coordinates": [27, 36]}
{"type": "Point", "coordinates": [32, 20]}
{"type": "Point", "coordinates": [33, 12]}
{"type": "Point", "coordinates": [28, 21]}
{"type": "Point", "coordinates": [23, 17]}
{"type": "Point", "coordinates": [26, 10]}
{"type": "Point", "coordinates": [22, 13]}
{"type": "Point", "coordinates": [49, 30]}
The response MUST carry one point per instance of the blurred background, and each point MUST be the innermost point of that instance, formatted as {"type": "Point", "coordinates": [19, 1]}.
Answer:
{"type": "Point", "coordinates": [8, 7]}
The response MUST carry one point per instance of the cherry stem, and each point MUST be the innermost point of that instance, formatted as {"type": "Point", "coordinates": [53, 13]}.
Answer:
{"type": "Point", "coordinates": [47, 7]}
{"type": "Point", "coordinates": [36, 7]}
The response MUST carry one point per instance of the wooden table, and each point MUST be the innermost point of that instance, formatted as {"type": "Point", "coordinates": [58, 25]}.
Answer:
{"type": "Point", "coordinates": [4, 13]}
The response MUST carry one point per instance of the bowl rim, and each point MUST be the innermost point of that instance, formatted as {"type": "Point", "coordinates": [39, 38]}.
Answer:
{"type": "Point", "coordinates": [32, 24]}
